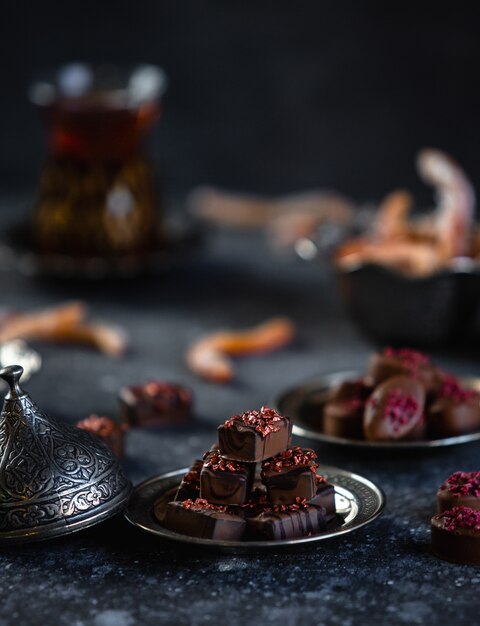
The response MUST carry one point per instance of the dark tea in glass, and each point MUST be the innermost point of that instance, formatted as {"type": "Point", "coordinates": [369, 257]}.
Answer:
{"type": "Point", "coordinates": [96, 198]}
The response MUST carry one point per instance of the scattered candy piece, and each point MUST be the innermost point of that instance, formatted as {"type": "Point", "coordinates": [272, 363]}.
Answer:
{"type": "Point", "coordinates": [155, 403]}
{"type": "Point", "coordinates": [209, 357]}
{"type": "Point", "coordinates": [65, 323]}
{"type": "Point", "coordinates": [112, 433]}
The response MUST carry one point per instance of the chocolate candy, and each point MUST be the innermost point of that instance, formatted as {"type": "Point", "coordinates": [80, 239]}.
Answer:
{"type": "Point", "coordinates": [456, 535]}
{"type": "Point", "coordinates": [403, 362]}
{"type": "Point", "coordinates": [255, 435]}
{"type": "Point", "coordinates": [455, 410]}
{"type": "Point", "coordinates": [324, 497]}
{"type": "Point", "coordinates": [223, 481]}
{"type": "Point", "coordinates": [286, 499]}
{"type": "Point", "coordinates": [290, 475]}
{"type": "Point", "coordinates": [350, 389]}
{"type": "Point", "coordinates": [343, 419]}
{"type": "Point", "coordinates": [287, 522]}
{"type": "Point", "coordinates": [395, 410]}
{"type": "Point", "coordinates": [189, 488]}
{"type": "Point", "coordinates": [460, 489]}
{"type": "Point", "coordinates": [199, 518]}
{"type": "Point", "coordinates": [256, 503]}
{"type": "Point", "coordinates": [343, 410]}
{"type": "Point", "coordinates": [111, 432]}
{"type": "Point", "coordinates": [155, 403]}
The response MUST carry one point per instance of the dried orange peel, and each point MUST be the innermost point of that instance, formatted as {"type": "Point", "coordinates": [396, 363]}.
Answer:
{"type": "Point", "coordinates": [65, 323]}
{"type": "Point", "coordinates": [210, 357]}
{"type": "Point", "coordinates": [420, 246]}
{"type": "Point", "coordinates": [110, 340]}
{"type": "Point", "coordinates": [42, 324]}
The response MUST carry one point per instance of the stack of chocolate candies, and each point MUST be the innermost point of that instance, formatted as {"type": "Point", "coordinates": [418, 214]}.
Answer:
{"type": "Point", "coordinates": [230, 496]}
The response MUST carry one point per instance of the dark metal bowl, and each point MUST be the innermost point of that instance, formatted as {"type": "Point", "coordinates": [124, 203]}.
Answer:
{"type": "Point", "coordinates": [396, 309]}
{"type": "Point", "coordinates": [392, 308]}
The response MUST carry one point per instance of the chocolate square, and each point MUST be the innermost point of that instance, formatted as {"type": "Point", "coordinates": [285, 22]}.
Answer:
{"type": "Point", "coordinates": [199, 518]}
{"type": "Point", "coordinates": [290, 475]}
{"type": "Point", "coordinates": [287, 522]}
{"type": "Point", "coordinates": [155, 403]}
{"type": "Point", "coordinates": [254, 435]}
{"type": "Point", "coordinates": [325, 497]}
{"type": "Point", "coordinates": [189, 488]}
{"type": "Point", "coordinates": [111, 432]}
{"type": "Point", "coordinates": [223, 481]}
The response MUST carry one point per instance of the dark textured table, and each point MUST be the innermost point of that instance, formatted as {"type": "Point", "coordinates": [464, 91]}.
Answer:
{"type": "Point", "coordinates": [114, 575]}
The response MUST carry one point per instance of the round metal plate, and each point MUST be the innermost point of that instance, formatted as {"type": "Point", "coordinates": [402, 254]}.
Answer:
{"type": "Point", "coordinates": [358, 502]}
{"type": "Point", "coordinates": [296, 402]}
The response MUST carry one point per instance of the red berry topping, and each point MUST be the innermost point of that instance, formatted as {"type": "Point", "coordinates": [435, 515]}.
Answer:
{"type": "Point", "coordinates": [463, 484]}
{"type": "Point", "coordinates": [452, 390]}
{"type": "Point", "coordinates": [292, 457]}
{"type": "Point", "coordinates": [400, 408]}
{"type": "Point", "coordinates": [218, 463]}
{"type": "Point", "coordinates": [300, 503]}
{"type": "Point", "coordinates": [411, 359]}
{"type": "Point", "coordinates": [265, 421]}
{"type": "Point", "coordinates": [460, 517]}
{"type": "Point", "coordinates": [201, 505]}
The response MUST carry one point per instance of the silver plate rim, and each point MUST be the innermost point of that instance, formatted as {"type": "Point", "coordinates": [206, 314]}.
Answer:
{"type": "Point", "coordinates": [324, 382]}
{"type": "Point", "coordinates": [135, 511]}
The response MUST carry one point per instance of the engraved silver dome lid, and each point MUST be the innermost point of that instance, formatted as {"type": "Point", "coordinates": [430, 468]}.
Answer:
{"type": "Point", "coordinates": [54, 479]}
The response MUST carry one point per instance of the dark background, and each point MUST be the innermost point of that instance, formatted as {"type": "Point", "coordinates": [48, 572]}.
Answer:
{"type": "Point", "coordinates": [267, 95]}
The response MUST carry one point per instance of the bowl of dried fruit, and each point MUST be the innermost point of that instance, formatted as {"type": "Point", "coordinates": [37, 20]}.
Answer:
{"type": "Point", "coordinates": [416, 279]}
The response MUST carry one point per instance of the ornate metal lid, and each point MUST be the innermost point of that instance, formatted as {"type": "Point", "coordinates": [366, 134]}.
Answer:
{"type": "Point", "coordinates": [54, 479]}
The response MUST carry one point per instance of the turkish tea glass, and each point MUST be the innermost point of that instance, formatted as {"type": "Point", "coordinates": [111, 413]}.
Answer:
{"type": "Point", "coordinates": [96, 197]}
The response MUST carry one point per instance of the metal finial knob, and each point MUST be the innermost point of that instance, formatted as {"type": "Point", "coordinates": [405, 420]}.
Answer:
{"type": "Point", "coordinates": [11, 375]}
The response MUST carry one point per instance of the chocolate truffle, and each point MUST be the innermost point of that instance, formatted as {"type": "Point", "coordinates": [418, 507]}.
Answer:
{"type": "Point", "coordinates": [456, 535]}
{"type": "Point", "coordinates": [189, 488]}
{"type": "Point", "coordinates": [348, 389]}
{"type": "Point", "coordinates": [223, 481]}
{"type": "Point", "coordinates": [460, 489]}
{"type": "Point", "coordinates": [403, 362]}
{"type": "Point", "coordinates": [199, 518]}
{"type": "Point", "coordinates": [155, 403]}
{"type": "Point", "coordinates": [287, 522]}
{"type": "Point", "coordinates": [254, 435]}
{"type": "Point", "coordinates": [290, 475]}
{"type": "Point", "coordinates": [343, 410]}
{"type": "Point", "coordinates": [394, 411]}
{"type": "Point", "coordinates": [455, 410]}
{"type": "Point", "coordinates": [111, 432]}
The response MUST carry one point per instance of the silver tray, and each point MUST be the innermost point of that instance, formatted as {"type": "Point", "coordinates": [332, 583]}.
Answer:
{"type": "Point", "coordinates": [294, 402]}
{"type": "Point", "coordinates": [358, 502]}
